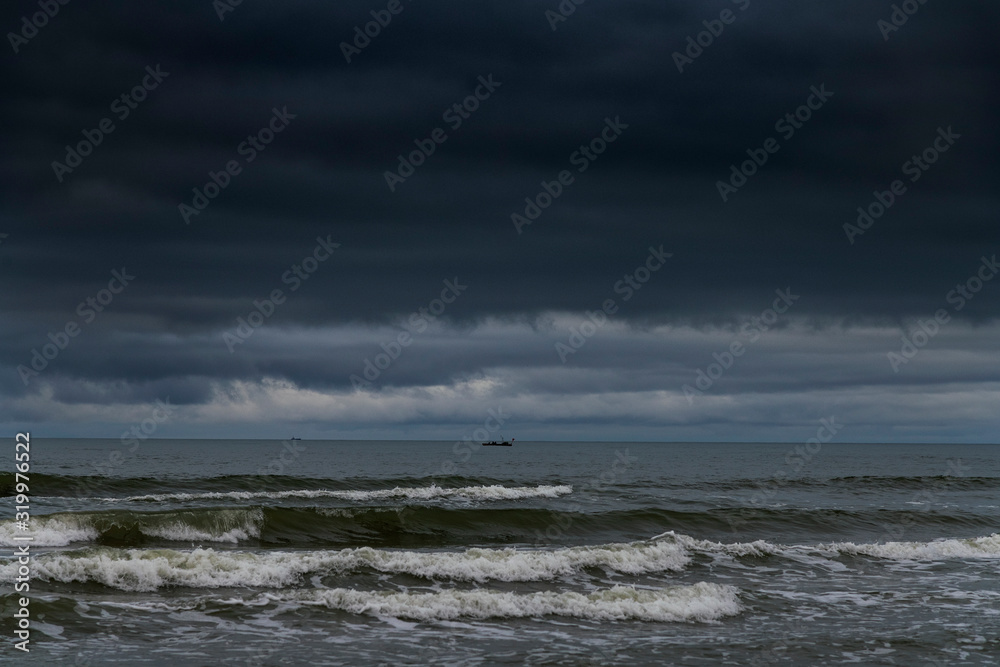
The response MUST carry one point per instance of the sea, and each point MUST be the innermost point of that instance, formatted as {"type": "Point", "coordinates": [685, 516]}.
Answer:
{"type": "Point", "coordinates": [308, 552]}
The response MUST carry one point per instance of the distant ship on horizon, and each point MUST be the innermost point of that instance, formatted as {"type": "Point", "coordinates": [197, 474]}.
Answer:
{"type": "Point", "coordinates": [500, 443]}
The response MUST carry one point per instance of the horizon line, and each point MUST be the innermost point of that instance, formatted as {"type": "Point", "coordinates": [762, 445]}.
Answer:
{"type": "Point", "coordinates": [653, 442]}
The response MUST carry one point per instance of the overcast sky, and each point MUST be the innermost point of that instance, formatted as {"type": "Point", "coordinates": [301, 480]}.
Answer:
{"type": "Point", "coordinates": [635, 129]}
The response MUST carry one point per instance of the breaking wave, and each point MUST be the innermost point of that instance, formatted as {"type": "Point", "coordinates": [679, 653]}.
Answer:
{"type": "Point", "coordinates": [418, 525]}
{"type": "Point", "coordinates": [703, 602]}
{"type": "Point", "coordinates": [152, 569]}
{"type": "Point", "coordinates": [122, 528]}
{"type": "Point", "coordinates": [147, 570]}
{"type": "Point", "coordinates": [492, 492]}
{"type": "Point", "coordinates": [119, 487]}
{"type": "Point", "coordinates": [936, 550]}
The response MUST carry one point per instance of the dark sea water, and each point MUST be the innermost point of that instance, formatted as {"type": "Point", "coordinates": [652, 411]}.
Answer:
{"type": "Point", "coordinates": [253, 552]}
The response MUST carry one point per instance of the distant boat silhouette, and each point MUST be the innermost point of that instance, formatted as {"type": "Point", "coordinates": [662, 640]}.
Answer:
{"type": "Point", "coordinates": [500, 443]}
{"type": "Point", "coordinates": [294, 438]}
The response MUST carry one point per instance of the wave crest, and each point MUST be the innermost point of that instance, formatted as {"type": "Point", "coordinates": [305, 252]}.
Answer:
{"type": "Point", "coordinates": [147, 570]}
{"type": "Point", "coordinates": [491, 492]}
{"type": "Point", "coordinates": [705, 602]}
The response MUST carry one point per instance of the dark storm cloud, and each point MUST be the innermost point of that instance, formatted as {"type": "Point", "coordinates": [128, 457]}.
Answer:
{"type": "Point", "coordinates": [323, 176]}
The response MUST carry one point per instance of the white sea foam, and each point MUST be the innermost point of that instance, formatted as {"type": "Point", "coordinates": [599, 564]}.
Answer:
{"type": "Point", "coordinates": [492, 492]}
{"type": "Point", "coordinates": [937, 550]}
{"type": "Point", "coordinates": [703, 601]}
{"type": "Point", "coordinates": [224, 526]}
{"type": "Point", "coordinates": [757, 548]}
{"type": "Point", "coordinates": [146, 570]}
{"type": "Point", "coordinates": [49, 532]}
{"type": "Point", "coordinates": [182, 532]}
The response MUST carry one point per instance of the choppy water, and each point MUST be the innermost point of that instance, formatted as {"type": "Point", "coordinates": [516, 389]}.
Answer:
{"type": "Point", "coordinates": [194, 553]}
